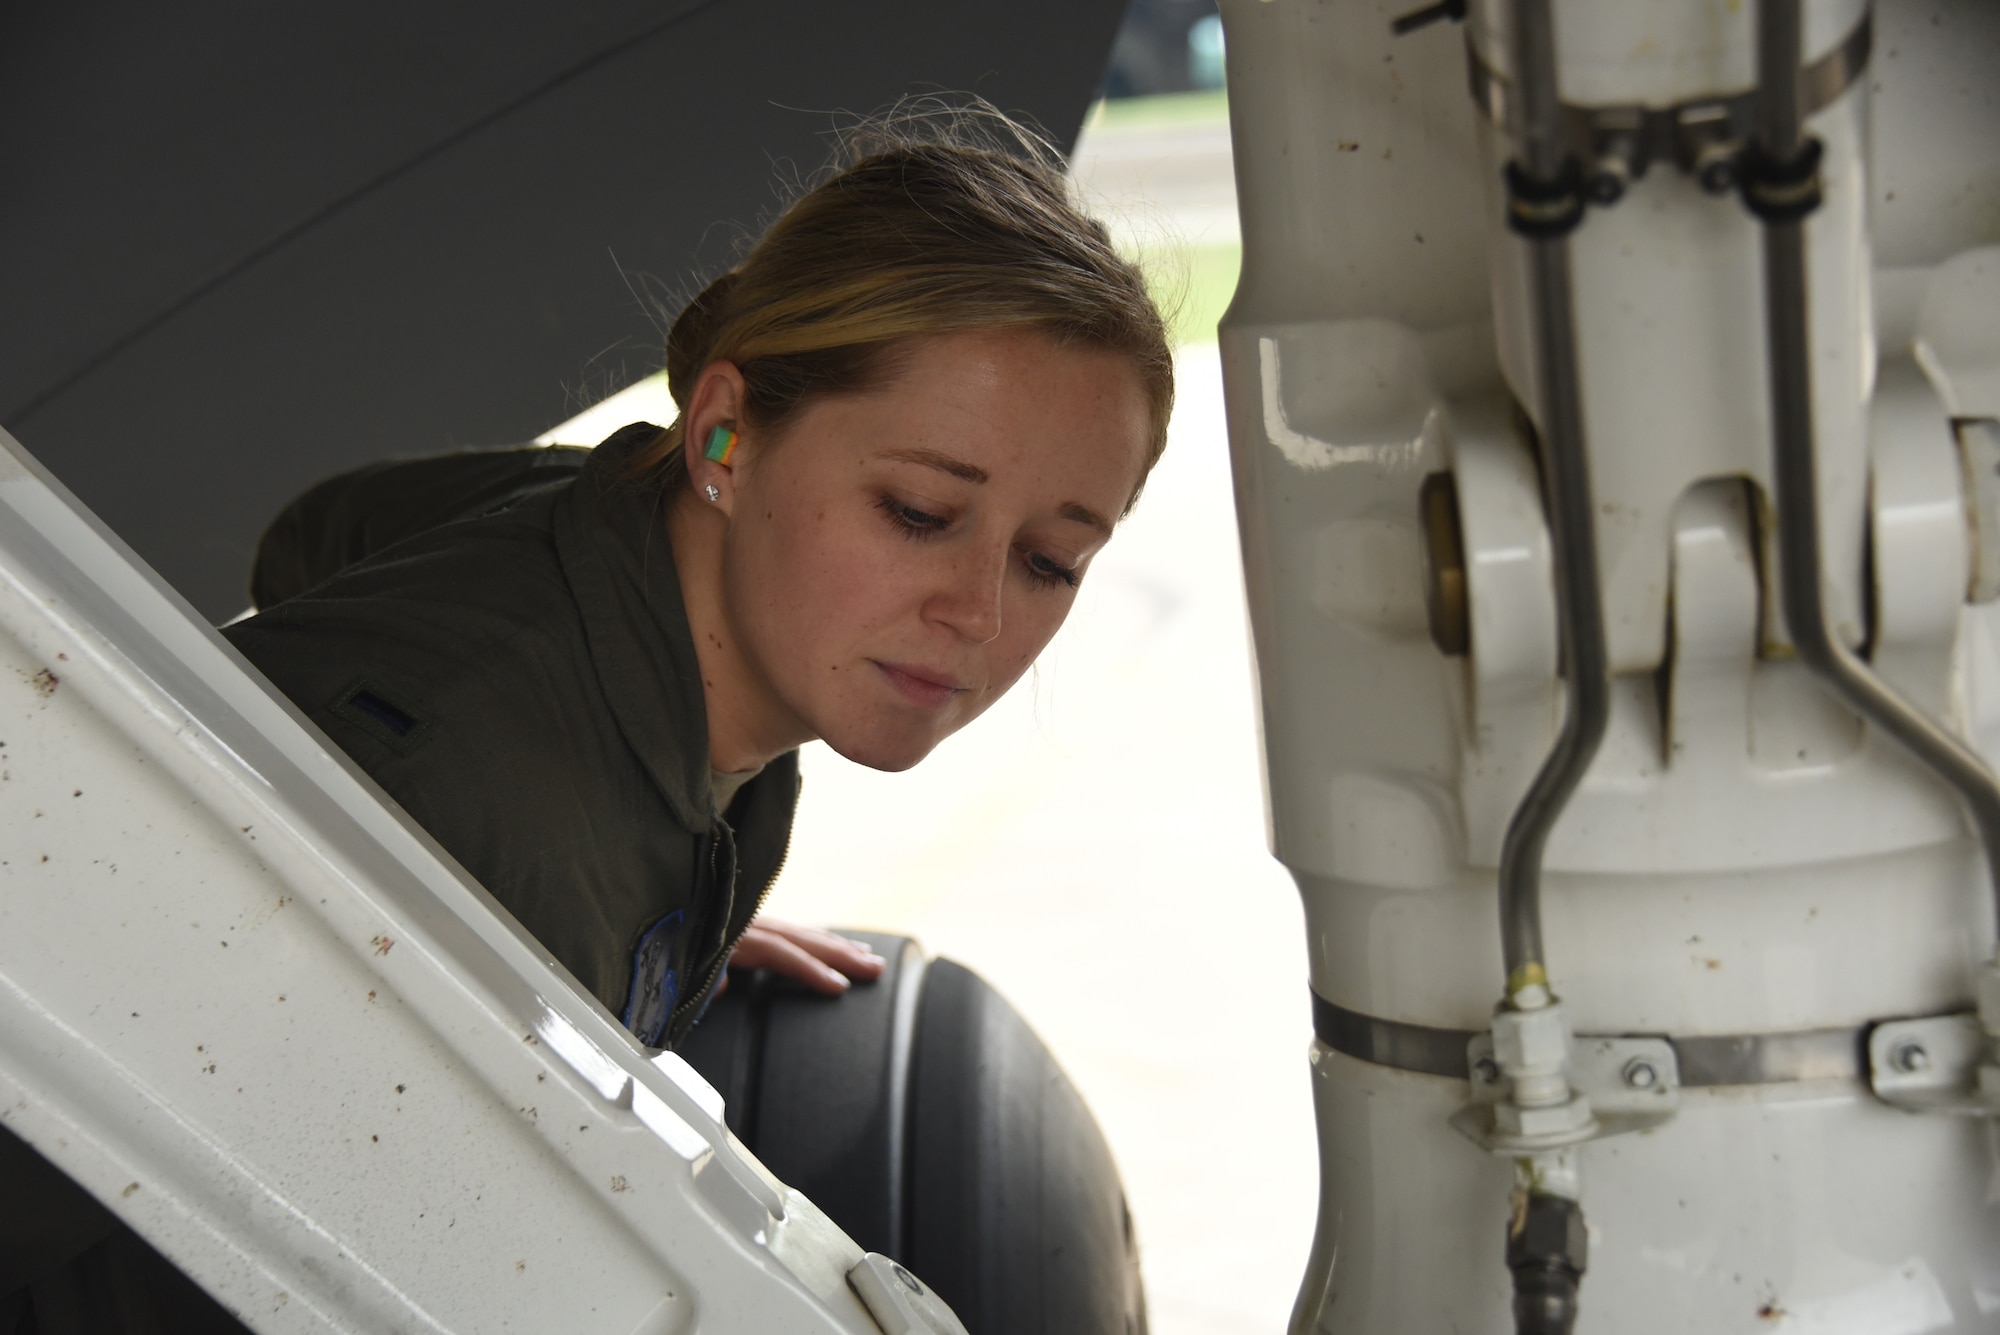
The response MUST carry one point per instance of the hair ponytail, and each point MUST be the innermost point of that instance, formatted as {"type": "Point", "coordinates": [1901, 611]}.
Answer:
{"type": "Point", "coordinates": [941, 222]}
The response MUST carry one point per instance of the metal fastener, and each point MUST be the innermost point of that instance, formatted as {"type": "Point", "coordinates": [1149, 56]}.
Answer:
{"type": "Point", "coordinates": [1641, 1074]}
{"type": "Point", "coordinates": [1486, 1071]}
{"type": "Point", "coordinates": [1715, 167]}
{"type": "Point", "coordinates": [1608, 179]}
{"type": "Point", "coordinates": [1910, 1057]}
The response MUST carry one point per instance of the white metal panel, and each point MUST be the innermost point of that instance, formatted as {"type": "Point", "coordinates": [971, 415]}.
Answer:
{"type": "Point", "coordinates": [263, 1018]}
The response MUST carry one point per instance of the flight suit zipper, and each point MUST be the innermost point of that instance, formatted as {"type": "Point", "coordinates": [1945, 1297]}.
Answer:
{"type": "Point", "coordinates": [721, 960]}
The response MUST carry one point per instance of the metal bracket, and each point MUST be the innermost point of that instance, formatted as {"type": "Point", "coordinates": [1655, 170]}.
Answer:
{"type": "Point", "coordinates": [1939, 1064]}
{"type": "Point", "coordinates": [1704, 136]}
{"type": "Point", "coordinates": [899, 1301]}
{"type": "Point", "coordinates": [1633, 1084]}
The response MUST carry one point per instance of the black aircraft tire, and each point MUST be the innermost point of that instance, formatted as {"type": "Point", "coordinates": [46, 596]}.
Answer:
{"type": "Point", "coordinates": [924, 1116]}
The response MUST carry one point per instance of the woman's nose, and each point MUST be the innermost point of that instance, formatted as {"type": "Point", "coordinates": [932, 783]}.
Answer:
{"type": "Point", "coordinates": [969, 601]}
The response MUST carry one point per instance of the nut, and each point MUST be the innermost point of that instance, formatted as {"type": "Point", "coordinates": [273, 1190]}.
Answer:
{"type": "Point", "coordinates": [1570, 1120]}
{"type": "Point", "coordinates": [1531, 1041]}
{"type": "Point", "coordinates": [1641, 1074]}
{"type": "Point", "coordinates": [1548, 1228]}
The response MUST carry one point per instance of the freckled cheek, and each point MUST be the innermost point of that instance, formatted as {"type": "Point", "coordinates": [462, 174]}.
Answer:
{"type": "Point", "coordinates": [1018, 656]}
{"type": "Point", "coordinates": [836, 583]}
{"type": "Point", "coordinates": [1038, 620]}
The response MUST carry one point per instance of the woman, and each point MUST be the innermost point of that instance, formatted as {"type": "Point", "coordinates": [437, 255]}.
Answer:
{"type": "Point", "coordinates": [908, 419]}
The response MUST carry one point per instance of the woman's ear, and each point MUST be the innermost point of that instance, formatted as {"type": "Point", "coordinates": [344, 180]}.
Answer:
{"type": "Point", "coordinates": [713, 441]}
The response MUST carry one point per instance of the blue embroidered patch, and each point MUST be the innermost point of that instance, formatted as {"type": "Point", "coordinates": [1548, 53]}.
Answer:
{"type": "Point", "coordinates": [650, 1002]}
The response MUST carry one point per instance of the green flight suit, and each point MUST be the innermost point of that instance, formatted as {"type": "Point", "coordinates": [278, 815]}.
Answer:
{"type": "Point", "coordinates": [509, 658]}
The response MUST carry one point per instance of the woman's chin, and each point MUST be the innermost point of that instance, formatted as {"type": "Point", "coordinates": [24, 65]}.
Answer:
{"type": "Point", "coordinates": [893, 753]}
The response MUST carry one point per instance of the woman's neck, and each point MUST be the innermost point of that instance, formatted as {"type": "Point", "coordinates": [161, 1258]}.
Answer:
{"type": "Point", "coordinates": [748, 726]}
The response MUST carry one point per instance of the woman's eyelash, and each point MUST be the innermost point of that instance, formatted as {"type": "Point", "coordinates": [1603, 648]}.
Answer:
{"type": "Point", "coordinates": [918, 525]}
{"type": "Point", "coordinates": [1044, 572]}
{"type": "Point", "coordinates": [913, 522]}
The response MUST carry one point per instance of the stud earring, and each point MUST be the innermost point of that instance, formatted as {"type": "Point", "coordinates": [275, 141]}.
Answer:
{"type": "Point", "coordinates": [714, 494]}
{"type": "Point", "coordinates": [721, 444]}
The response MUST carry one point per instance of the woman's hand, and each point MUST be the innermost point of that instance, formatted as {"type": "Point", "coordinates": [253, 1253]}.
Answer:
{"type": "Point", "coordinates": [821, 960]}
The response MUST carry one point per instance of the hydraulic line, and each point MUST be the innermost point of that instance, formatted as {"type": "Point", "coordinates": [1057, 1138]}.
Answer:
{"type": "Point", "coordinates": [1545, 1240]}
{"type": "Point", "coordinates": [1781, 186]}
{"type": "Point", "coordinates": [1546, 201]}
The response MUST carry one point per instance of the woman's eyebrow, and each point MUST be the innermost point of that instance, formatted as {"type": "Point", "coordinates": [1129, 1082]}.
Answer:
{"type": "Point", "coordinates": [944, 463]}
{"type": "Point", "coordinates": [1085, 515]}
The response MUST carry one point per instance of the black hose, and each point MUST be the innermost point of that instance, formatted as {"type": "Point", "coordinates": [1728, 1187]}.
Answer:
{"type": "Point", "coordinates": [1547, 1249]}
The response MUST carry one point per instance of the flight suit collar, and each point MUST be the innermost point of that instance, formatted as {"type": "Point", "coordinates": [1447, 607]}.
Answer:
{"type": "Point", "coordinates": [611, 536]}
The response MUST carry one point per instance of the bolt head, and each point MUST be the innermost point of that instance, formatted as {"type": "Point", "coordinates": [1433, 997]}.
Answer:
{"type": "Point", "coordinates": [1641, 1074]}
{"type": "Point", "coordinates": [1486, 1071]}
{"type": "Point", "coordinates": [1910, 1057]}
{"type": "Point", "coordinates": [1607, 180]}
{"type": "Point", "coordinates": [1716, 172]}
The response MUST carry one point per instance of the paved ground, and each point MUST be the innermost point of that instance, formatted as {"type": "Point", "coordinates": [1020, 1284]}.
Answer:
{"type": "Point", "coordinates": [1095, 845]}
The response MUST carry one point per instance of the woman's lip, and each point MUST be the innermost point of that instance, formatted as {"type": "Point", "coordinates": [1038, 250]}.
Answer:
{"type": "Point", "coordinates": [919, 687]}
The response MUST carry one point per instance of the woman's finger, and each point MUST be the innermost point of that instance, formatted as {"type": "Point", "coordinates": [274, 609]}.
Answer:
{"type": "Point", "coordinates": [764, 949]}
{"type": "Point", "coordinates": [855, 959]}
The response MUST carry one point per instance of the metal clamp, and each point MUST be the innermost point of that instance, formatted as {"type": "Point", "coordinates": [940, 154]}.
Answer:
{"type": "Point", "coordinates": [1632, 1084]}
{"type": "Point", "coordinates": [1938, 1064]}
{"type": "Point", "coordinates": [1704, 1060]}
{"type": "Point", "coordinates": [1704, 137]}
{"type": "Point", "coordinates": [1942, 1063]}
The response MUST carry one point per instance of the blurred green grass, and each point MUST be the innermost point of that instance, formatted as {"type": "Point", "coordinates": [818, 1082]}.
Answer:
{"type": "Point", "coordinates": [1192, 281]}
{"type": "Point", "coordinates": [1211, 107]}
{"type": "Point", "coordinates": [1193, 285]}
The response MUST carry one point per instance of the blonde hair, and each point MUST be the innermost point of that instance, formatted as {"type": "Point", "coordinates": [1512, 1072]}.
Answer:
{"type": "Point", "coordinates": [942, 221]}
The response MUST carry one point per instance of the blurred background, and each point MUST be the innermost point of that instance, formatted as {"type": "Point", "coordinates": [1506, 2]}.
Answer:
{"type": "Point", "coordinates": [1094, 846]}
